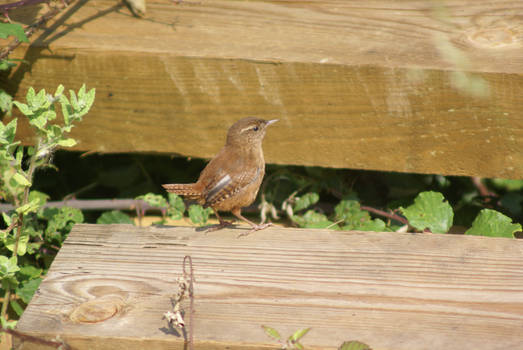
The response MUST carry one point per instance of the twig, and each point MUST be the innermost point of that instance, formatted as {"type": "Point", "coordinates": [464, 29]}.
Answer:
{"type": "Point", "coordinates": [385, 214]}
{"type": "Point", "coordinates": [37, 340]}
{"type": "Point", "coordinates": [29, 31]}
{"type": "Point", "coordinates": [185, 286]}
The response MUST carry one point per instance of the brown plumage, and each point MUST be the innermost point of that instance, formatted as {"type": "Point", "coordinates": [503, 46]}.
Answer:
{"type": "Point", "coordinates": [231, 180]}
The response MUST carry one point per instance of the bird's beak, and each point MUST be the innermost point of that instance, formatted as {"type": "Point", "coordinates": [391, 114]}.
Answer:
{"type": "Point", "coordinates": [269, 122]}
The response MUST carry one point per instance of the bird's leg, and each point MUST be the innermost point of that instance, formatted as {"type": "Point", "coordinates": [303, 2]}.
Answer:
{"type": "Point", "coordinates": [238, 213]}
{"type": "Point", "coordinates": [221, 225]}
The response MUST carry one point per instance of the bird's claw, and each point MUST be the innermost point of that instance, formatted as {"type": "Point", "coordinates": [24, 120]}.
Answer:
{"type": "Point", "coordinates": [255, 228]}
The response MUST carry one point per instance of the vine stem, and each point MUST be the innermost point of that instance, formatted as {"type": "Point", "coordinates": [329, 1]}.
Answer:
{"type": "Point", "coordinates": [385, 214]}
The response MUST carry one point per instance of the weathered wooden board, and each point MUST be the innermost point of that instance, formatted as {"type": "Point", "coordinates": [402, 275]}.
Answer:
{"type": "Point", "coordinates": [368, 85]}
{"type": "Point", "coordinates": [389, 290]}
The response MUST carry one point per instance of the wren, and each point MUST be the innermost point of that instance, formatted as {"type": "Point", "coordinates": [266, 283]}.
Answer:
{"type": "Point", "coordinates": [231, 180]}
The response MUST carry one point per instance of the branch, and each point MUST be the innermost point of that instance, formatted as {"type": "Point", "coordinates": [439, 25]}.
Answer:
{"type": "Point", "coordinates": [385, 214]}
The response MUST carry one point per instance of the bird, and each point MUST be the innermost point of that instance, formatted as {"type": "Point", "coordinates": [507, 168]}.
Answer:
{"type": "Point", "coordinates": [231, 180]}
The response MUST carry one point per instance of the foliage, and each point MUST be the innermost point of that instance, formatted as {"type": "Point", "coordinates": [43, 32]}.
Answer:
{"type": "Point", "coordinates": [292, 342]}
{"type": "Point", "coordinates": [354, 345]}
{"type": "Point", "coordinates": [431, 211]}
{"type": "Point", "coordinates": [32, 231]}
{"type": "Point", "coordinates": [492, 223]}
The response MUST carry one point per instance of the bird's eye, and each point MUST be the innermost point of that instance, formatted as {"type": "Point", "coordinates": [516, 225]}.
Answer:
{"type": "Point", "coordinates": [255, 128]}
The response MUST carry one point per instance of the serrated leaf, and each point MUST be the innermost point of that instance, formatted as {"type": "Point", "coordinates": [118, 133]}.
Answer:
{"type": "Point", "coordinates": [430, 210]}
{"type": "Point", "coordinates": [114, 217]}
{"type": "Point", "coordinates": [8, 266]}
{"type": "Point", "coordinates": [14, 29]}
{"type": "Point", "coordinates": [354, 345]}
{"type": "Point", "coordinates": [67, 142]}
{"type": "Point", "coordinates": [30, 207]}
{"type": "Point", "coordinates": [299, 334]}
{"type": "Point", "coordinates": [306, 201]}
{"type": "Point", "coordinates": [271, 332]}
{"type": "Point", "coordinates": [494, 224]}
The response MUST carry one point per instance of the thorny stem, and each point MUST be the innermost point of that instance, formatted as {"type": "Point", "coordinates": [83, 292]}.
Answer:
{"type": "Point", "coordinates": [37, 340]}
{"type": "Point", "coordinates": [191, 296]}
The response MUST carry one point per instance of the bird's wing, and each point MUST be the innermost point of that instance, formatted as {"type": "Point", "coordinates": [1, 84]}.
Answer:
{"type": "Point", "coordinates": [228, 178]}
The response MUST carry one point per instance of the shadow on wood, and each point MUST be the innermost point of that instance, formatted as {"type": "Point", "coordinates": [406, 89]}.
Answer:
{"type": "Point", "coordinates": [110, 285]}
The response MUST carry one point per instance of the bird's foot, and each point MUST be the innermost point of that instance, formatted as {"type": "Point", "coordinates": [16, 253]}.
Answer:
{"type": "Point", "coordinates": [255, 228]}
{"type": "Point", "coordinates": [221, 225]}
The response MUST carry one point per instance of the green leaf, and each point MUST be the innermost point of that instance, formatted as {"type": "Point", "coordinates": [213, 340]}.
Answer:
{"type": "Point", "coordinates": [271, 332]}
{"type": "Point", "coordinates": [8, 132]}
{"type": "Point", "coordinates": [114, 217]}
{"type": "Point", "coordinates": [29, 272]}
{"type": "Point", "coordinates": [38, 197]}
{"type": "Point", "coordinates": [299, 334]}
{"type": "Point", "coordinates": [354, 345]}
{"type": "Point", "coordinates": [176, 206]}
{"type": "Point", "coordinates": [27, 289]}
{"type": "Point", "coordinates": [67, 142]}
{"type": "Point", "coordinates": [17, 308]}
{"type": "Point", "coordinates": [23, 108]}
{"type": "Point", "coordinates": [14, 29]}
{"type": "Point", "coordinates": [30, 207]}
{"type": "Point", "coordinates": [8, 266]}
{"type": "Point", "coordinates": [312, 219]}
{"type": "Point", "coordinates": [306, 201]}
{"type": "Point", "coordinates": [22, 243]}
{"type": "Point", "coordinates": [59, 90]}
{"type": "Point", "coordinates": [198, 214]}
{"type": "Point", "coordinates": [21, 179]}
{"type": "Point", "coordinates": [508, 184]}
{"type": "Point", "coordinates": [7, 324]}
{"type": "Point", "coordinates": [6, 101]}
{"type": "Point", "coordinates": [430, 210]}
{"type": "Point", "coordinates": [494, 224]}
{"type": "Point", "coordinates": [154, 200]}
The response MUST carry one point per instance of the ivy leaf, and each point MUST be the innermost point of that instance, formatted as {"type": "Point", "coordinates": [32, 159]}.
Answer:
{"type": "Point", "coordinates": [271, 332]}
{"type": "Point", "coordinates": [198, 214]}
{"type": "Point", "coordinates": [354, 345]}
{"type": "Point", "coordinates": [306, 201]}
{"type": "Point", "coordinates": [430, 210]}
{"type": "Point", "coordinates": [114, 217]}
{"type": "Point", "coordinates": [494, 224]}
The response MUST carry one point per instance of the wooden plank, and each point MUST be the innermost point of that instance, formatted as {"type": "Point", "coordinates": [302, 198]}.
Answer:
{"type": "Point", "coordinates": [369, 86]}
{"type": "Point", "coordinates": [389, 290]}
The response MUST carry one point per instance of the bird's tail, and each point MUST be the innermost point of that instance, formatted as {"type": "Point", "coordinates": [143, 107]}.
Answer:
{"type": "Point", "coordinates": [187, 190]}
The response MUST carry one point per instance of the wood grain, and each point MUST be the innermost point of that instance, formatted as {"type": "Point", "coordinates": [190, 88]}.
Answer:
{"type": "Point", "coordinates": [371, 85]}
{"type": "Point", "coordinates": [389, 290]}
